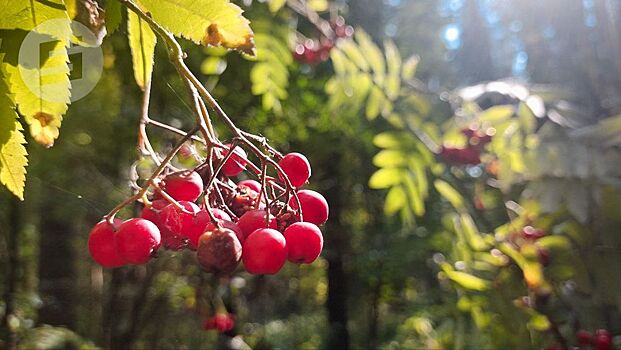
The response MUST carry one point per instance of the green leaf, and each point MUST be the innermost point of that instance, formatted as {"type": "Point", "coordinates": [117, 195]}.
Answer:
{"type": "Point", "coordinates": [393, 58]}
{"type": "Point", "coordinates": [450, 194]}
{"type": "Point", "coordinates": [395, 200]}
{"type": "Point", "coordinates": [26, 15]}
{"type": "Point", "coordinates": [354, 53]}
{"type": "Point", "coordinates": [41, 90]}
{"type": "Point", "coordinates": [385, 178]}
{"type": "Point", "coordinates": [409, 67]}
{"type": "Point", "coordinates": [539, 323]}
{"type": "Point", "coordinates": [13, 154]}
{"type": "Point", "coordinates": [468, 281]}
{"type": "Point", "coordinates": [472, 234]}
{"type": "Point", "coordinates": [393, 139]}
{"type": "Point", "coordinates": [275, 5]}
{"type": "Point", "coordinates": [416, 200]}
{"type": "Point", "coordinates": [213, 66]}
{"type": "Point", "coordinates": [142, 42]}
{"type": "Point", "coordinates": [389, 158]}
{"type": "Point", "coordinates": [113, 16]}
{"type": "Point", "coordinates": [318, 5]}
{"type": "Point", "coordinates": [209, 22]}
{"type": "Point", "coordinates": [374, 103]}
{"type": "Point", "coordinates": [554, 242]}
{"type": "Point", "coordinates": [372, 54]}
{"type": "Point", "coordinates": [496, 114]}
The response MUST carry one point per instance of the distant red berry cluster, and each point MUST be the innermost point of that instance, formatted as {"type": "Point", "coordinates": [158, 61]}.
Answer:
{"type": "Point", "coordinates": [471, 153]}
{"type": "Point", "coordinates": [240, 223]}
{"type": "Point", "coordinates": [313, 51]}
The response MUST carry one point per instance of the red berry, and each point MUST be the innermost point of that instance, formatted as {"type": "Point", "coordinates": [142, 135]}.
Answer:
{"type": "Point", "coordinates": [236, 163]}
{"type": "Point", "coordinates": [231, 226]}
{"type": "Point", "coordinates": [152, 213]}
{"type": "Point", "coordinates": [136, 239]}
{"type": "Point", "coordinates": [101, 244]}
{"type": "Point", "coordinates": [220, 322]}
{"type": "Point", "coordinates": [602, 340]}
{"type": "Point", "coordinates": [253, 220]}
{"type": "Point", "coordinates": [531, 233]}
{"type": "Point", "coordinates": [314, 206]}
{"type": "Point", "coordinates": [264, 251]}
{"type": "Point", "coordinates": [297, 168]}
{"type": "Point", "coordinates": [219, 250]}
{"type": "Point", "coordinates": [183, 186]}
{"type": "Point", "coordinates": [220, 214]}
{"type": "Point", "coordinates": [178, 221]}
{"type": "Point", "coordinates": [251, 184]}
{"type": "Point", "coordinates": [584, 337]}
{"type": "Point", "coordinates": [170, 240]}
{"type": "Point", "coordinates": [304, 242]}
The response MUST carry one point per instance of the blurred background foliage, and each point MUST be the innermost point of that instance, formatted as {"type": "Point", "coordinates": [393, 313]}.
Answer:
{"type": "Point", "coordinates": [424, 249]}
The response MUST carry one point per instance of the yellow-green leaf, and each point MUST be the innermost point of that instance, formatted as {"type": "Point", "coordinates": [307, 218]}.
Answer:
{"type": "Point", "coordinates": [13, 159]}
{"type": "Point", "coordinates": [539, 323]}
{"type": "Point", "coordinates": [142, 43]}
{"type": "Point", "coordinates": [450, 194]}
{"type": "Point", "coordinates": [275, 5]}
{"type": "Point", "coordinates": [385, 178]}
{"type": "Point", "coordinates": [113, 15]}
{"type": "Point", "coordinates": [209, 22]}
{"type": "Point", "coordinates": [375, 103]}
{"type": "Point", "coordinates": [496, 114]}
{"type": "Point", "coordinates": [318, 5]}
{"type": "Point", "coordinates": [26, 15]}
{"type": "Point", "coordinates": [409, 67]}
{"type": "Point", "coordinates": [40, 88]}
{"type": "Point", "coordinates": [467, 280]}
{"type": "Point", "coordinates": [395, 200]}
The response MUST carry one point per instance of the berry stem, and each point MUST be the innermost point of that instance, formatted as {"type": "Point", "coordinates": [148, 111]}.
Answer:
{"type": "Point", "coordinates": [176, 56]}
{"type": "Point", "coordinates": [110, 216]}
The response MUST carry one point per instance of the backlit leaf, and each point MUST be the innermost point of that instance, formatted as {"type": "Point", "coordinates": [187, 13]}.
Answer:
{"type": "Point", "coordinates": [450, 194]}
{"type": "Point", "coordinates": [113, 15]}
{"type": "Point", "coordinates": [467, 280]}
{"type": "Point", "coordinates": [26, 15]}
{"type": "Point", "coordinates": [208, 22]}
{"type": "Point", "coordinates": [395, 200]}
{"type": "Point", "coordinates": [142, 42]}
{"type": "Point", "coordinates": [13, 159]}
{"type": "Point", "coordinates": [496, 114]}
{"type": "Point", "coordinates": [385, 178]}
{"type": "Point", "coordinates": [40, 88]}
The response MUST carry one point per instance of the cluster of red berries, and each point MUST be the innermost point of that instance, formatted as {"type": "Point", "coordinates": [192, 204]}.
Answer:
{"type": "Point", "coordinates": [601, 340]}
{"type": "Point", "coordinates": [471, 153]}
{"type": "Point", "coordinates": [244, 227]}
{"type": "Point", "coordinates": [314, 51]}
{"type": "Point", "coordinates": [221, 322]}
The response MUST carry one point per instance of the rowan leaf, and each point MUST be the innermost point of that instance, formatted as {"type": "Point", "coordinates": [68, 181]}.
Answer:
{"type": "Point", "coordinates": [26, 15]}
{"type": "Point", "coordinates": [13, 160]}
{"type": "Point", "coordinates": [142, 43]}
{"type": "Point", "coordinates": [207, 22]}
{"type": "Point", "coordinates": [39, 82]}
{"type": "Point", "coordinates": [113, 15]}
